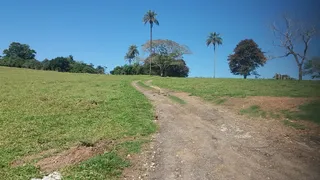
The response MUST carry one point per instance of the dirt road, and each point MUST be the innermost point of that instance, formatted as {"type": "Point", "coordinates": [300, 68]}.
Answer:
{"type": "Point", "coordinates": [200, 141]}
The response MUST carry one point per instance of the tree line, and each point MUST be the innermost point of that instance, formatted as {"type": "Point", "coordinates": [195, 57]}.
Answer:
{"type": "Point", "coordinates": [165, 57]}
{"type": "Point", "coordinates": [245, 59]}
{"type": "Point", "coordinates": [22, 56]}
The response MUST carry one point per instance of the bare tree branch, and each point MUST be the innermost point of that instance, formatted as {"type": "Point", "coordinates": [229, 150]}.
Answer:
{"type": "Point", "coordinates": [288, 41]}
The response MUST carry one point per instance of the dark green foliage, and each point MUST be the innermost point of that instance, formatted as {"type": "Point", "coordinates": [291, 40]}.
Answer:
{"type": "Point", "coordinates": [246, 59]}
{"type": "Point", "coordinates": [100, 70]}
{"type": "Point", "coordinates": [60, 64]}
{"type": "Point", "coordinates": [214, 39]}
{"type": "Point", "coordinates": [177, 69]}
{"type": "Point", "coordinates": [167, 53]}
{"type": "Point", "coordinates": [132, 53]}
{"type": "Point", "coordinates": [12, 62]}
{"type": "Point", "coordinates": [282, 77]}
{"type": "Point", "coordinates": [150, 17]}
{"type": "Point", "coordinates": [135, 69]}
{"type": "Point", "coordinates": [21, 56]}
{"type": "Point", "coordinates": [312, 67]}
{"type": "Point", "coordinates": [17, 50]}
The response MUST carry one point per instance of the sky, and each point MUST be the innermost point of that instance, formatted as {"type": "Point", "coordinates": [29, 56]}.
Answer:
{"type": "Point", "coordinates": [100, 31]}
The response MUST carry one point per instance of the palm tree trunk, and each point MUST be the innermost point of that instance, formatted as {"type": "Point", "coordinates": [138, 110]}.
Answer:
{"type": "Point", "coordinates": [150, 48]}
{"type": "Point", "coordinates": [214, 69]}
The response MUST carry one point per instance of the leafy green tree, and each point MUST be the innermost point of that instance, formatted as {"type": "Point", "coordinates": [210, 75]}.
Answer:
{"type": "Point", "coordinates": [312, 67]}
{"type": "Point", "coordinates": [100, 70]}
{"type": "Point", "coordinates": [45, 64]}
{"type": "Point", "coordinates": [118, 70]}
{"type": "Point", "coordinates": [178, 68]}
{"type": "Point", "coordinates": [151, 18]}
{"type": "Point", "coordinates": [60, 64]}
{"type": "Point", "coordinates": [32, 64]}
{"type": "Point", "coordinates": [165, 53]}
{"type": "Point", "coordinates": [215, 40]}
{"type": "Point", "coordinates": [132, 53]}
{"type": "Point", "coordinates": [17, 50]}
{"type": "Point", "coordinates": [246, 58]}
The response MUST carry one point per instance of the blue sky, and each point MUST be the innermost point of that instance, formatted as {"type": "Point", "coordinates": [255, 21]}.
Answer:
{"type": "Point", "coordinates": [100, 31]}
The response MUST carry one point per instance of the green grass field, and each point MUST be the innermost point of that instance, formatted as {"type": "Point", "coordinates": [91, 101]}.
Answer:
{"type": "Point", "coordinates": [41, 110]}
{"type": "Point", "coordinates": [216, 90]}
{"type": "Point", "coordinates": [209, 88]}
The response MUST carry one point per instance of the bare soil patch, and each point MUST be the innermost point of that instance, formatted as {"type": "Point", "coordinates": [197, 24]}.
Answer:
{"type": "Point", "coordinates": [30, 158]}
{"type": "Point", "coordinates": [71, 156]}
{"type": "Point", "coordinates": [50, 160]}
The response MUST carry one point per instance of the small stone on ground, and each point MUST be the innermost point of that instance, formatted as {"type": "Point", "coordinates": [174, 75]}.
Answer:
{"type": "Point", "coordinates": [52, 176]}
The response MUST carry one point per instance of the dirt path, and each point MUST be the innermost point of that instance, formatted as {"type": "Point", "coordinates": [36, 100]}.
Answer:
{"type": "Point", "coordinates": [200, 141]}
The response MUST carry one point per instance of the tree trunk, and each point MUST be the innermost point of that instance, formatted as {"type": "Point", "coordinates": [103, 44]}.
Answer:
{"type": "Point", "coordinates": [161, 71]}
{"type": "Point", "coordinates": [150, 48]}
{"type": "Point", "coordinates": [300, 72]}
{"type": "Point", "coordinates": [245, 76]}
{"type": "Point", "coordinates": [214, 69]}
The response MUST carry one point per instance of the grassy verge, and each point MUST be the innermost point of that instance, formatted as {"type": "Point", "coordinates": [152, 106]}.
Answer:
{"type": "Point", "coordinates": [254, 111]}
{"type": "Point", "coordinates": [176, 99]}
{"type": "Point", "coordinates": [42, 110]}
{"type": "Point", "coordinates": [218, 91]}
{"type": "Point", "coordinates": [143, 85]}
{"type": "Point", "coordinates": [208, 88]}
{"type": "Point", "coordinates": [294, 124]}
{"type": "Point", "coordinates": [308, 112]}
{"type": "Point", "coordinates": [106, 166]}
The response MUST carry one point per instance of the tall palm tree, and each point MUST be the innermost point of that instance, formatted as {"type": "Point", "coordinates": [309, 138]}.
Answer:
{"type": "Point", "coordinates": [132, 53]}
{"type": "Point", "coordinates": [151, 18]}
{"type": "Point", "coordinates": [215, 40]}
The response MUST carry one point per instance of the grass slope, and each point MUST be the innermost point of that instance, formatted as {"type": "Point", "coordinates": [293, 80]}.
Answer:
{"type": "Point", "coordinates": [41, 110]}
{"type": "Point", "coordinates": [211, 88]}
{"type": "Point", "coordinates": [215, 90]}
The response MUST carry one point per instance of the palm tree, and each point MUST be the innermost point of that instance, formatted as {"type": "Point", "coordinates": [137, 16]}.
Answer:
{"type": "Point", "coordinates": [214, 39]}
{"type": "Point", "coordinates": [151, 18]}
{"type": "Point", "coordinates": [132, 53]}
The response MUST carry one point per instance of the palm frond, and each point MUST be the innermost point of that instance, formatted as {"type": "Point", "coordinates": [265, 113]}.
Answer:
{"type": "Point", "coordinates": [156, 22]}
{"type": "Point", "coordinates": [208, 42]}
{"type": "Point", "coordinates": [150, 17]}
{"type": "Point", "coordinates": [214, 39]}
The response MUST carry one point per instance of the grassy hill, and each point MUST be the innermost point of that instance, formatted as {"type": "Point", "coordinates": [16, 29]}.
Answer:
{"type": "Point", "coordinates": [43, 113]}
{"type": "Point", "coordinates": [43, 110]}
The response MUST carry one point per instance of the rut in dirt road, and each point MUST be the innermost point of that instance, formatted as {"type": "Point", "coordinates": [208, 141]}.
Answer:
{"type": "Point", "coordinates": [198, 141]}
